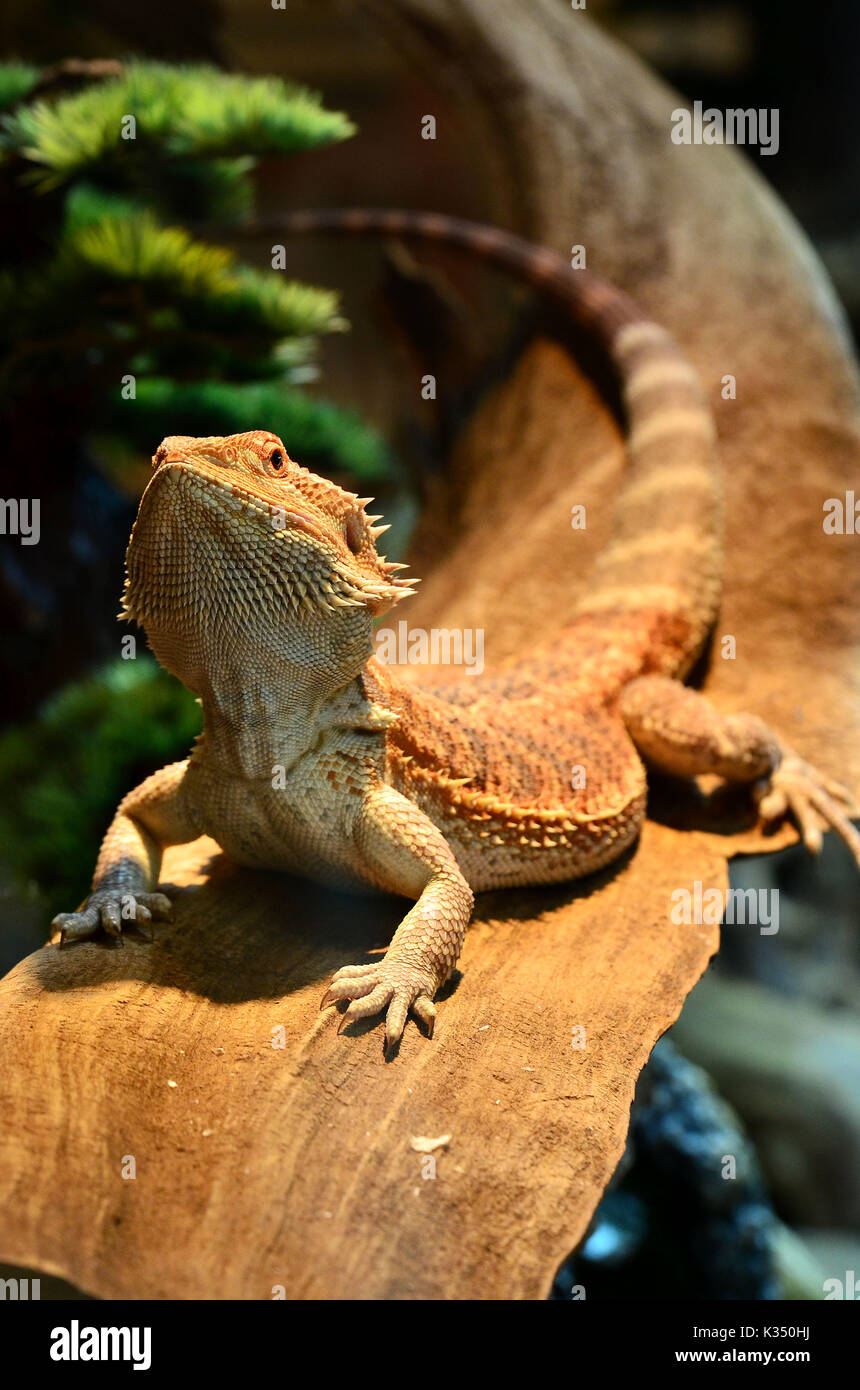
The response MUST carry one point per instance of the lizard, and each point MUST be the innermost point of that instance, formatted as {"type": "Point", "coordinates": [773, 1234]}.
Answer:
{"type": "Point", "coordinates": [258, 582]}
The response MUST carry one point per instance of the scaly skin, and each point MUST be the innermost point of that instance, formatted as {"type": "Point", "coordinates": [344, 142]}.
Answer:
{"type": "Point", "coordinates": [257, 584]}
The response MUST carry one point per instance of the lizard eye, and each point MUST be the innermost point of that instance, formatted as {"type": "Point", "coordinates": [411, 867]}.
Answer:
{"type": "Point", "coordinates": [354, 534]}
{"type": "Point", "coordinates": [277, 461]}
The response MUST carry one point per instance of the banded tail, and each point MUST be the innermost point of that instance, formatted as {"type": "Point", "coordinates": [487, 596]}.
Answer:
{"type": "Point", "coordinates": [665, 555]}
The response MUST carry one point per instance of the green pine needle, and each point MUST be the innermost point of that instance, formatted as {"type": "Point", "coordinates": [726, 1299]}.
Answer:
{"type": "Point", "coordinates": [185, 112]}
{"type": "Point", "coordinates": [16, 81]}
{"type": "Point", "coordinates": [204, 286]}
{"type": "Point", "coordinates": [87, 205]}
{"type": "Point", "coordinates": [138, 248]}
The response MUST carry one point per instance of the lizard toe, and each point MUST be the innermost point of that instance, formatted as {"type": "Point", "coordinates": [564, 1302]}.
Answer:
{"type": "Point", "coordinates": [816, 802]}
{"type": "Point", "coordinates": [389, 985]}
{"type": "Point", "coordinates": [371, 1003]}
{"type": "Point", "coordinates": [425, 1011]}
{"type": "Point", "coordinates": [156, 906]}
{"type": "Point", "coordinates": [74, 926]}
{"type": "Point", "coordinates": [111, 919]}
{"type": "Point", "coordinates": [108, 912]}
{"type": "Point", "coordinates": [354, 988]}
{"type": "Point", "coordinates": [395, 1020]}
{"type": "Point", "coordinates": [355, 972]}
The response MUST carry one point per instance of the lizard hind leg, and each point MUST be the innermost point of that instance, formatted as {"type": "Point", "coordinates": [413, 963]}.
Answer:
{"type": "Point", "coordinates": [679, 730]}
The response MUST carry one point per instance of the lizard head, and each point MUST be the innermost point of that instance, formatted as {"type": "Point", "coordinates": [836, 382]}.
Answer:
{"type": "Point", "coordinates": [235, 546]}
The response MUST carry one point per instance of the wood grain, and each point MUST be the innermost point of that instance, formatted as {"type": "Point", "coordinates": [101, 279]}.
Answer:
{"type": "Point", "coordinates": [259, 1165]}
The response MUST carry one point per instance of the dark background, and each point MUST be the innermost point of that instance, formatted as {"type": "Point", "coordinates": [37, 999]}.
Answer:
{"type": "Point", "coordinates": [799, 58]}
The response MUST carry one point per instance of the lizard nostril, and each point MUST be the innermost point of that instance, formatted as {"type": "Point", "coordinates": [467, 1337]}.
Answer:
{"type": "Point", "coordinates": [172, 444]}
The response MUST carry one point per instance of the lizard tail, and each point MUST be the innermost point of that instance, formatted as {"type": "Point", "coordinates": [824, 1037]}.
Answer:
{"type": "Point", "coordinates": [664, 561]}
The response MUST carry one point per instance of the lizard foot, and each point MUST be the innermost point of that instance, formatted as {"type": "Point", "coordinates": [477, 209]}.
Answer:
{"type": "Point", "coordinates": [816, 802]}
{"type": "Point", "coordinates": [397, 986]}
{"type": "Point", "coordinates": [107, 910]}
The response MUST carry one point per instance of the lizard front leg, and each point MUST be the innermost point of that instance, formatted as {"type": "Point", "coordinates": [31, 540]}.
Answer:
{"type": "Point", "coordinates": [150, 817]}
{"type": "Point", "coordinates": [404, 852]}
{"type": "Point", "coordinates": [679, 731]}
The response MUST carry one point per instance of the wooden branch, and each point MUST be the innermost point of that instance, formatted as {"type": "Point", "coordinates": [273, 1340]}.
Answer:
{"type": "Point", "coordinates": [260, 1165]}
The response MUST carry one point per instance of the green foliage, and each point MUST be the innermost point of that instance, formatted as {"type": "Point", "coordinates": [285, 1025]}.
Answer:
{"type": "Point", "coordinates": [140, 297]}
{"type": "Point", "coordinates": [180, 112]}
{"type": "Point", "coordinates": [192, 276]}
{"type": "Point", "coordinates": [87, 205]}
{"type": "Point", "coordinates": [115, 285]}
{"type": "Point", "coordinates": [62, 776]}
{"type": "Point", "coordinates": [316, 433]}
{"type": "Point", "coordinates": [16, 81]}
{"type": "Point", "coordinates": [137, 248]}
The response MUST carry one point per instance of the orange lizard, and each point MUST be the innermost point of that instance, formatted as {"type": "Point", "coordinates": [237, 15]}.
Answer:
{"type": "Point", "coordinates": [258, 583]}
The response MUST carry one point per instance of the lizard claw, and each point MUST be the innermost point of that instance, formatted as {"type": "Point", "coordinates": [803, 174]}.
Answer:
{"type": "Point", "coordinates": [347, 972]}
{"type": "Point", "coordinates": [815, 801]}
{"type": "Point", "coordinates": [425, 1011]}
{"type": "Point", "coordinates": [392, 985]}
{"type": "Point", "coordinates": [108, 910]}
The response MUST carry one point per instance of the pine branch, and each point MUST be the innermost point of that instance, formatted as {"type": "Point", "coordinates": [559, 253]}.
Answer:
{"type": "Point", "coordinates": [203, 284]}
{"type": "Point", "coordinates": [179, 112]}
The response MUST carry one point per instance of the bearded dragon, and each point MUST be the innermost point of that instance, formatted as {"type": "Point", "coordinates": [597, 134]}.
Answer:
{"type": "Point", "coordinates": [258, 582]}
